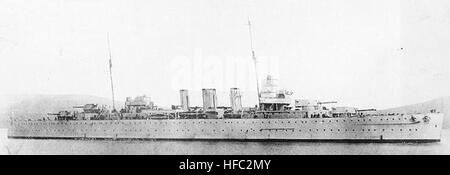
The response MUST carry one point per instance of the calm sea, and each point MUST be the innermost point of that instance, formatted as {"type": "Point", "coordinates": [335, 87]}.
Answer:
{"type": "Point", "coordinates": [32, 146]}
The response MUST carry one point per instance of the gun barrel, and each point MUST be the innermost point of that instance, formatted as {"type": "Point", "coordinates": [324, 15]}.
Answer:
{"type": "Point", "coordinates": [327, 102]}
{"type": "Point", "coordinates": [361, 110]}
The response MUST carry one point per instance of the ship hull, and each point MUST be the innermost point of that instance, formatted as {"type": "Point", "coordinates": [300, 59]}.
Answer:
{"type": "Point", "coordinates": [399, 128]}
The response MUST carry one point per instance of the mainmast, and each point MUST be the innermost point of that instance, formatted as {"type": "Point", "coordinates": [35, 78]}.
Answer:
{"type": "Point", "coordinates": [254, 61]}
{"type": "Point", "coordinates": [110, 74]}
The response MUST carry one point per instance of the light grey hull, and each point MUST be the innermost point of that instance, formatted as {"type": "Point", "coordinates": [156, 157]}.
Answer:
{"type": "Point", "coordinates": [376, 128]}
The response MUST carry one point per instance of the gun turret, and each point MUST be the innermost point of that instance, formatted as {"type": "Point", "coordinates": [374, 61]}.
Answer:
{"type": "Point", "coordinates": [87, 106]}
{"type": "Point", "coordinates": [64, 115]}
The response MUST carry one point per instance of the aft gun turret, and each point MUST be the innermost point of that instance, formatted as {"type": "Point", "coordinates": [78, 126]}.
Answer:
{"type": "Point", "coordinates": [63, 115]}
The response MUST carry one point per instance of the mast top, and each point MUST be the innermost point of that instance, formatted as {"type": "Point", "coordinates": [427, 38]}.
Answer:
{"type": "Point", "coordinates": [251, 38]}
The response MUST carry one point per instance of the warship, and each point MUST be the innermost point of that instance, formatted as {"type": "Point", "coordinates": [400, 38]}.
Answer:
{"type": "Point", "coordinates": [277, 116]}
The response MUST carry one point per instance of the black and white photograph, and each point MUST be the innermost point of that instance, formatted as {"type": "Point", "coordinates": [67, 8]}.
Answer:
{"type": "Point", "coordinates": [224, 77]}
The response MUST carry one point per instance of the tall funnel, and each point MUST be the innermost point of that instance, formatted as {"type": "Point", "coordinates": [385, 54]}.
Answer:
{"type": "Point", "coordinates": [209, 99]}
{"type": "Point", "coordinates": [184, 99]}
{"type": "Point", "coordinates": [235, 99]}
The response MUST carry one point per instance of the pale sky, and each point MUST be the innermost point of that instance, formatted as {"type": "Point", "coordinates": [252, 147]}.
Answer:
{"type": "Point", "coordinates": [363, 53]}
